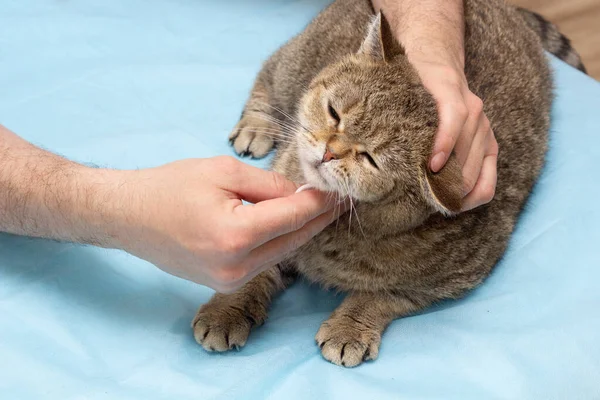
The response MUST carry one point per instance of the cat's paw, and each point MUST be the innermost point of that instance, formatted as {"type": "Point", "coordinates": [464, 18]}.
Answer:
{"type": "Point", "coordinates": [253, 135]}
{"type": "Point", "coordinates": [222, 327]}
{"type": "Point", "coordinates": [344, 341]}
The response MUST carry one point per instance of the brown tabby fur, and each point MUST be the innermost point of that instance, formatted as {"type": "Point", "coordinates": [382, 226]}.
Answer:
{"type": "Point", "coordinates": [406, 248]}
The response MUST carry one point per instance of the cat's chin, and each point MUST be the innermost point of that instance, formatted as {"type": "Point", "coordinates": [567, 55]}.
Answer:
{"type": "Point", "coordinates": [314, 177]}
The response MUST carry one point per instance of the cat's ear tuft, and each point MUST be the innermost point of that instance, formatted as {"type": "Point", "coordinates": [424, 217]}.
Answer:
{"type": "Point", "coordinates": [444, 190]}
{"type": "Point", "coordinates": [380, 42]}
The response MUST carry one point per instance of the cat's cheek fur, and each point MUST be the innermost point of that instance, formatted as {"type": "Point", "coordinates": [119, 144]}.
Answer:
{"type": "Point", "coordinates": [313, 178]}
{"type": "Point", "coordinates": [310, 156]}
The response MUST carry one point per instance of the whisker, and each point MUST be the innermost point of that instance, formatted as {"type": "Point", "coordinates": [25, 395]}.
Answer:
{"type": "Point", "coordinates": [279, 110]}
{"type": "Point", "coordinates": [281, 130]}
{"type": "Point", "coordinates": [275, 121]}
{"type": "Point", "coordinates": [339, 205]}
{"type": "Point", "coordinates": [329, 197]}
{"type": "Point", "coordinates": [285, 114]}
{"type": "Point", "coordinates": [277, 124]}
{"type": "Point", "coordinates": [281, 139]}
{"type": "Point", "coordinates": [344, 181]}
{"type": "Point", "coordinates": [274, 134]}
{"type": "Point", "coordinates": [356, 214]}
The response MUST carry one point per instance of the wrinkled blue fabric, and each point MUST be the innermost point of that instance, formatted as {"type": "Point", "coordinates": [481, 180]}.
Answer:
{"type": "Point", "coordinates": [138, 83]}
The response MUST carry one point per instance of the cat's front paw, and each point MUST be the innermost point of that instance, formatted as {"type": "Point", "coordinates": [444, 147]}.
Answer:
{"type": "Point", "coordinates": [345, 341]}
{"type": "Point", "coordinates": [219, 326]}
{"type": "Point", "coordinates": [253, 135]}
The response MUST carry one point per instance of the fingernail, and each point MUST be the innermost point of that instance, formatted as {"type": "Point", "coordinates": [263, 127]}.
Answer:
{"type": "Point", "coordinates": [465, 189]}
{"type": "Point", "coordinates": [304, 187]}
{"type": "Point", "coordinates": [438, 161]}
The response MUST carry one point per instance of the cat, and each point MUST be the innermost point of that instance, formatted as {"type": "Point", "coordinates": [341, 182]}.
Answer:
{"type": "Point", "coordinates": [347, 113]}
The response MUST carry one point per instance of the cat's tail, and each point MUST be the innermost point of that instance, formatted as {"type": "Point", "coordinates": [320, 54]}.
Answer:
{"type": "Point", "coordinates": [552, 40]}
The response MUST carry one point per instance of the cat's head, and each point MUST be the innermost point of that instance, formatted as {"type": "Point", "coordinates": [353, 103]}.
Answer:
{"type": "Point", "coordinates": [367, 130]}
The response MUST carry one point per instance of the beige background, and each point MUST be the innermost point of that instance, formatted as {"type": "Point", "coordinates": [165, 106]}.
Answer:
{"type": "Point", "coordinates": [579, 20]}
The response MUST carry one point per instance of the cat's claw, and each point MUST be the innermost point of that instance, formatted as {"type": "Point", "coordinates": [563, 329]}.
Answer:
{"type": "Point", "coordinates": [253, 136]}
{"type": "Point", "coordinates": [221, 330]}
{"type": "Point", "coordinates": [346, 344]}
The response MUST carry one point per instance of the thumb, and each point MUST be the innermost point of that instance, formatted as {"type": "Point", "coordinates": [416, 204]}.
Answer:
{"type": "Point", "coordinates": [255, 184]}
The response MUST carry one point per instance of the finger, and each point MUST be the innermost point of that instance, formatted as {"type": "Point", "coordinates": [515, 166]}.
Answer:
{"type": "Point", "coordinates": [453, 115]}
{"type": "Point", "coordinates": [472, 127]}
{"type": "Point", "coordinates": [472, 168]}
{"type": "Point", "coordinates": [253, 184]}
{"type": "Point", "coordinates": [279, 248]}
{"type": "Point", "coordinates": [269, 219]}
{"type": "Point", "coordinates": [484, 190]}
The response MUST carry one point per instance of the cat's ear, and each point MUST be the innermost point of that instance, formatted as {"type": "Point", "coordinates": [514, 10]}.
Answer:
{"type": "Point", "coordinates": [380, 42]}
{"type": "Point", "coordinates": [444, 190]}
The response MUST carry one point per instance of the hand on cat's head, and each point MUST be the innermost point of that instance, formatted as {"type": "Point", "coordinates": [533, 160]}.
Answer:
{"type": "Point", "coordinates": [464, 130]}
{"type": "Point", "coordinates": [367, 128]}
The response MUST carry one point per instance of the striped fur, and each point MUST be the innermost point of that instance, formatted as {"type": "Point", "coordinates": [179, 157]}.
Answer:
{"type": "Point", "coordinates": [553, 41]}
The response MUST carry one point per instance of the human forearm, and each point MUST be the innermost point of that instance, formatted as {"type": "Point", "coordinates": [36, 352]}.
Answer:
{"type": "Point", "coordinates": [186, 217]}
{"type": "Point", "coordinates": [44, 195]}
{"type": "Point", "coordinates": [429, 30]}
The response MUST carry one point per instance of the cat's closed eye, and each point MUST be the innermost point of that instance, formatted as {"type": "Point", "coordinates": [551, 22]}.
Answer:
{"type": "Point", "coordinates": [333, 113]}
{"type": "Point", "coordinates": [366, 156]}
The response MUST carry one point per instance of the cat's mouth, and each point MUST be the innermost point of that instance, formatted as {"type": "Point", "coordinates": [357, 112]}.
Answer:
{"type": "Point", "coordinates": [320, 172]}
{"type": "Point", "coordinates": [313, 175]}
{"type": "Point", "coordinates": [323, 176]}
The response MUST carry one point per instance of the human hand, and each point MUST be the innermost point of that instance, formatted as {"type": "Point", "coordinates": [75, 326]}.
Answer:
{"type": "Point", "coordinates": [189, 219]}
{"type": "Point", "coordinates": [432, 34]}
{"type": "Point", "coordinates": [463, 128]}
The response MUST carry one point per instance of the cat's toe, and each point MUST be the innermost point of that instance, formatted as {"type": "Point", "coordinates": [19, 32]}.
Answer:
{"type": "Point", "coordinates": [260, 146]}
{"type": "Point", "coordinates": [221, 331]}
{"type": "Point", "coordinates": [243, 140]}
{"type": "Point", "coordinates": [253, 136]}
{"type": "Point", "coordinates": [347, 344]}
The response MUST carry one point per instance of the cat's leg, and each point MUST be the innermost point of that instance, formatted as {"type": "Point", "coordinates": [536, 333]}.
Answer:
{"type": "Point", "coordinates": [352, 334]}
{"type": "Point", "coordinates": [258, 128]}
{"type": "Point", "coordinates": [225, 321]}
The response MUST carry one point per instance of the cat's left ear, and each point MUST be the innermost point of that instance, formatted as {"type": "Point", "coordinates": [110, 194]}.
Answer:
{"type": "Point", "coordinates": [380, 42]}
{"type": "Point", "coordinates": [444, 189]}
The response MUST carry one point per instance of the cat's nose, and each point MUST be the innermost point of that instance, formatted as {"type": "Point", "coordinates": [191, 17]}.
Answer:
{"type": "Point", "coordinates": [328, 156]}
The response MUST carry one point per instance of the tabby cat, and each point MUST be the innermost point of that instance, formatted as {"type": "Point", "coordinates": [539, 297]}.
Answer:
{"type": "Point", "coordinates": [347, 113]}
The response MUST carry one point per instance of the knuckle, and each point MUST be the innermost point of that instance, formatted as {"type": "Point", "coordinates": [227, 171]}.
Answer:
{"type": "Point", "coordinates": [476, 105]}
{"type": "Point", "coordinates": [233, 243]}
{"type": "Point", "coordinates": [227, 164]}
{"type": "Point", "coordinates": [461, 111]}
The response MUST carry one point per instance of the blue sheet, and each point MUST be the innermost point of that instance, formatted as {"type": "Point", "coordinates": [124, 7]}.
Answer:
{"type": "Point", "coordinates": [139, 83]}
